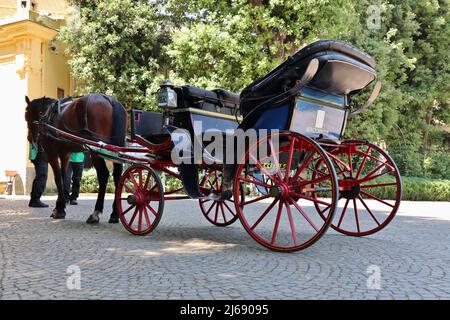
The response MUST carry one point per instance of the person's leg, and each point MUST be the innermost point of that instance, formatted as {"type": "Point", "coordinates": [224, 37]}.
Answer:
{"type": "Point", "coordinates": [40, 181]}
{"type": "Point", "coordinates": [77, 168]}
{"type": "Point", "coordinates": [67, 178]}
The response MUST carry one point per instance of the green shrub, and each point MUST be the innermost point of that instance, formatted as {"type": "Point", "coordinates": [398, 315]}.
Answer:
{"type": "Point", "coordinates": [89, 183]}
{"type": "Point", "coordinates": [437, 164]}
{"type": "Point", "coordinates": [416, 189]}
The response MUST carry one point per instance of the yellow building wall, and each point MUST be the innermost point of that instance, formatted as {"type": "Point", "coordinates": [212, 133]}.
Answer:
{"type": "Point", "coordinates": [27, 67]}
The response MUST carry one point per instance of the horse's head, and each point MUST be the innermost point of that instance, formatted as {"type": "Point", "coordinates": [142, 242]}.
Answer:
{"type": "Point", "coordinates": [32, 113]}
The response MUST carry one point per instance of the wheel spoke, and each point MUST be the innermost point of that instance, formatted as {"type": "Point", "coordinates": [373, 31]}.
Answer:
{"type": "Point", "coordinates": [356, 214]}
{"type": "Point", "coordinates": [147, 180]}
{"type": "Point", "coordinates": [217, 213]}
{"type": "Point", "coordinates": [291, 222]}
{"type": "Point", "coordinates": [264, 213]}
{"type": "Point", "coordinates": [368, 210]}
{"type": "Point", "coordinates": [312, 199]}
{"type": "Point", "coordinates": [226, 206]}
{"type": "Point", "coordinates": [277, 222]}
{"type": "Point", "coordinates": [326, 208]}
{"type": "Point", "coordinates": [368, 176]}
{"type": "Point", "coordinates": [256, 199]}
{"type": "Point", "coordinates": [223, 212]}
{"type": "Point", "coordinates": [275, 159]}
{"type": "Point", "coordinates": [139, 176]}
{"type": "Point", "coordinates": [343, 213]}
{"type": "Point", "coordinates": [131, 207]}
{"type": "Point", "coordinates": [336, 160]}
{"type": "Point", "coordinates": [209, 210]}
{"type": "Point", "coordinates": [303, 166]}
{"type": "Point", "coordinates": [133, 180]}
{"type": "Point", "coordinates": [151, 209]}
{"type": "Point", "coordinates": [350, 163]}
{"type": "Point", "coordinates": [304, 214]}
{"type": "Point", "coordinates": [128, 188]}
{"type": "Point", "coordinates": [365, 179]}
{"type": "Point", "coordinates": [378, 199]}
{"type": "Point", "coordinates": [378, 185]}
{"type": "Point", "coordinates": [140, 220]}
{"type": "Point", "coordinates": [147, 219]}
{"type": "Point", "coordinates": [259, 183]}
{"type": "Point", "coordinates": [262, 168]}
{"type": "Point", "coordinates": [363, 162]}
{"type": "Point", "coordinates": [133, 217]}
{"type": "Point", "coordinates": [317, 180]}
{"type": "Point", "coordinates": [290, 155]}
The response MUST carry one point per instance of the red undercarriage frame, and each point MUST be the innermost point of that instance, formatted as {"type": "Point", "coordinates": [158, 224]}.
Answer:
{"type": "Point", "coordinates": [345, 186]}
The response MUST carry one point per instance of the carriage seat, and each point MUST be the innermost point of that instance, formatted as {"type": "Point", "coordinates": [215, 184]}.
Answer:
{"type": "Point", "coordinates": [217, 100]}
{"type": "Point", "coordinates": [149, 125]}
{"type": "Point", "coordinates": [227, 97]}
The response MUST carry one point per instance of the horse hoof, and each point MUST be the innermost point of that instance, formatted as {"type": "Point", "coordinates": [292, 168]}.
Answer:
{"type": "Point", "coordinates": [58, 215]}
{"type": "Point", "coordinates": [113, 220]}
{"type": "Point", "coordinates": [94, 217]}
{"type": "Point", "coordinates": [92, 220]}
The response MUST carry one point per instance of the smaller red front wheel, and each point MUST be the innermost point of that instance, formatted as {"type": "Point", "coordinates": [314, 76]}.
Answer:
{"type": "Point", "coordinates": [140, 199]}
{"type": "Point", "coordinates": [219, 213]}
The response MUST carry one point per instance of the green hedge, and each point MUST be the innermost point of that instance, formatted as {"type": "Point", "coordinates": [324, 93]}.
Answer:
{"type": "Point", "coordinates": [89, 183]}
{"type": "Point", "coordinates": [421, 189]}
{"type": "Point", "coordinates": [415, 189]}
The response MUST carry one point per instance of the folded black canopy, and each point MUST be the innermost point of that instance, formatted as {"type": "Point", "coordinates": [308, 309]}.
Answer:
{"type": "Point", "coordinates": [343, 69]}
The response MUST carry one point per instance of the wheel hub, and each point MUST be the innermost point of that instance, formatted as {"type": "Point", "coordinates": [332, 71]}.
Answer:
{"type": "Point", "coordinates": [275, 191]}
{"type": "Point", "coordinates": [350, 189]}
{"type": "Point", "coordinates": [136, 199]}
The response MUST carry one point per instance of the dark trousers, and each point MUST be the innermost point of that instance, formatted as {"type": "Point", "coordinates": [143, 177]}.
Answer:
{"type": "Point", "coordinates": [40, 180]}
{"type": "Point", "coordinates": [74, 173]}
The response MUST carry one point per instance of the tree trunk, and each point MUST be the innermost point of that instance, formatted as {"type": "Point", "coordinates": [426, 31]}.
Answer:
{"type": "Point", "coordinates": [425, 134]}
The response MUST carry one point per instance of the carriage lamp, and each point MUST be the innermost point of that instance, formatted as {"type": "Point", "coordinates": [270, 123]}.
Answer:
{"type": "Point", "coordinates": [167, 97]}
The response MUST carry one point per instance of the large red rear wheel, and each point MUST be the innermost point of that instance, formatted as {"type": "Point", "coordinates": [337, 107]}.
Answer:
{"type": "Point", "coordinates": [140, 199]}
{"type": "Point", "coordinates": [219, 213]}
{"type": "Point", "coordinates": [370, 188]}
{"type": "Point", "coordinates": [279, 214]}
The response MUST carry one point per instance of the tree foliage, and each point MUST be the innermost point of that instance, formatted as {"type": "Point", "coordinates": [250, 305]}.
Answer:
{"type": "Point", "coordinates": [127, 47]}
{"type": "Point", "coordinates": [114, 48]}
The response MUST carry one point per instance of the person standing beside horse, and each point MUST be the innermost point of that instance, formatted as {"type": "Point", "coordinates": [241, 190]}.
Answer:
{"type": "Point", "coordinates": [39, 160]}
{"type": "Point", "coordinates": [73, 176]}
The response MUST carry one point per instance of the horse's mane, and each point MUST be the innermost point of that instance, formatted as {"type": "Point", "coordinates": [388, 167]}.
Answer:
{"type": "Point", "coordinates": [37, 104]}
{"type": "Point", "coordinates": [41, 101]}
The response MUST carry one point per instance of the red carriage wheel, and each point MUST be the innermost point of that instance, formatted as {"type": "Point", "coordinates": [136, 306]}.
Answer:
{"type": "Point", "coordinates": [370, 188]}
{"type": "Point", "coordinates": [140, 199]}
{"type": "Point", "coordinates": [219, 213]}
{"type": "Point", "coordinates": [279, 214]}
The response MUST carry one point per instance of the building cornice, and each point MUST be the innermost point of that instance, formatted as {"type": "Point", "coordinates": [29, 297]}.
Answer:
{"type": "Point", "coordinates": [25, 28]}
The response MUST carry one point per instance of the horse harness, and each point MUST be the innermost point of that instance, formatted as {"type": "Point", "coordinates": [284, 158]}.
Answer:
{"type": "Point", "coordinates": [55, 113]}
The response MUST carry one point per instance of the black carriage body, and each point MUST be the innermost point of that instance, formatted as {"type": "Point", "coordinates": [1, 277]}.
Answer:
{"type": "Point", "coordinates": [312, 112]}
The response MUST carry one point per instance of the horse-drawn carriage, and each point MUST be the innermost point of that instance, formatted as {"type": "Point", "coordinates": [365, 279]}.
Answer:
{"type": "Point", "coordinates": [286, 197]}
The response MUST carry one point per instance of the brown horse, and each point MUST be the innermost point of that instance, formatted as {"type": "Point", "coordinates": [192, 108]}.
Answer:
{"type": "Point", "coordinates": [96, 117]}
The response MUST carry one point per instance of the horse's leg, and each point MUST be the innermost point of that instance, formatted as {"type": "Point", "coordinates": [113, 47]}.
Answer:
{"type": "Point", "coordinates": [102, 177]}
{"type": "Point", "coordinates": [64, 158]}
{"type": "Point", "coordinates": [59, 212]}
{"type": "Point", "coordinates": [117, 173]}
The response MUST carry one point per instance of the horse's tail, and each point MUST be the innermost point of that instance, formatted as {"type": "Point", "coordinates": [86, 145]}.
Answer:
{"type": "Point", "coordinates": [119, 128]}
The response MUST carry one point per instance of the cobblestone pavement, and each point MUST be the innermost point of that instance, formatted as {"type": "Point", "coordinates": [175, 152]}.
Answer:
{"type": "Point", "coordinates": [187, 258]}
